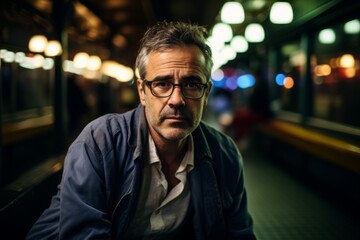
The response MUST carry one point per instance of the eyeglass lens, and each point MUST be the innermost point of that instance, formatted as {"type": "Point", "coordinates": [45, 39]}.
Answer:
{"type": "Point", "coordinates": [189, 90]}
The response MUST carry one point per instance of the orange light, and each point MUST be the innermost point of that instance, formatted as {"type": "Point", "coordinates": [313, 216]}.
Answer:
{"type": "Point", "coordinates": [288, 82]}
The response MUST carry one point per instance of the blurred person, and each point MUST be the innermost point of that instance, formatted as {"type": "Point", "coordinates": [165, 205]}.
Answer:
{"type": "Point", "coordinates": [77, 107]}
{"type": "Point", "coordinates": [158, 171]}
{"type": "Point", "coordinates": [255, 112]}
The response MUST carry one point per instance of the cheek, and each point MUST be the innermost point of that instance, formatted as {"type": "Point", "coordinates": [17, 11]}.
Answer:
{"type": "Point", "coordinates": [149, 115]}
{"type": "Point", "coordinates": [199, 112]}
{"type": "Point", "coordinates": [153, 108]}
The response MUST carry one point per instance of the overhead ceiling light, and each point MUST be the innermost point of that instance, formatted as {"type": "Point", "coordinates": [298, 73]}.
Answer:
{"type": "Point", "coordinates": [53, 48]}
{"type": "Point", "coordinates": [232, 13]}
{"type": "Point", "coordinates": [254, 32]}
{"type": "Point", "coordinates": [239, 43]}
{"type": "Point", "coordinates": [94, 63]}
{"type": "Point", "coordinates": [327, 36]}
{"type": "Point", "coordinates": [222, 32]}
{"type": "Point", "coordinates": [228, 52]}
{"type": "Point", "coordinates": [81, 59]}
{"type": "Point", "coordinates": [119, 40]}
{"type": "Point", "coordinates": [254, 5]}
{"type": "Point", "coordinates": [281, 13]}
{"type": "Point", "coordinates": [352, 27]}
{"type": "Point", "coordinates": [38, 43]}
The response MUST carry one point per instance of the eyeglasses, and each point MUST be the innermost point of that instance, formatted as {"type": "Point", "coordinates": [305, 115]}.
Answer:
{"type": "Point", "coordinates": [162, 89]}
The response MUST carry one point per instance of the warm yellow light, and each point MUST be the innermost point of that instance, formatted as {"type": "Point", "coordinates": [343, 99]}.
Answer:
{"type": "Point", "coordinates": [125, 74]}
{"type": "Point", "coordinates": [347, 61]}
{"type": "Point", "coordinates": [38, 43]}
{"type": "Point", "coordinates": [322, 70]}
{"type": "Point", "coordinates": [119, 41]}
{"type": "Point", "coordinates": [94, 63]}
{"type": "Point", "coordinates": [81, 60]}
{"type": "Point", "coordinates": [118, 71]}
{"type": "Point", "coordinates": [38, 60]}
{"type": "Point", "coordinates": [349, 72]}
{"type": "Point", "coordinates": [53, 48]}
{"type": "Point", "coordinates": [326, 69]}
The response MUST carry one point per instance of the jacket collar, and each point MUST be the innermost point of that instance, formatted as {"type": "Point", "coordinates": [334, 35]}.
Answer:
{"type": "Point", "coordinates": [138, 132]}
{"type": "Point", "coordinates": [202, 149]}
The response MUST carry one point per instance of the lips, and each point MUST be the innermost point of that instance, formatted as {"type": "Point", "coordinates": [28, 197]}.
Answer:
{"type": "Point", "coordinates": [176, 118]}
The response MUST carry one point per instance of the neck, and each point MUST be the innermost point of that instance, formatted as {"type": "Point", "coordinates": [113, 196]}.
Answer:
{"type": "Point", "coordinates": [168, 151]}
{"type": "Point", "coordinates": [171, 155]}
{"type": "Point", "coordinates": [171, 152]}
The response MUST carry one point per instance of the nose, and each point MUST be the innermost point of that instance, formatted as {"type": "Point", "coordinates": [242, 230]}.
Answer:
{"type": "Point", "coordinates": [176, 99]}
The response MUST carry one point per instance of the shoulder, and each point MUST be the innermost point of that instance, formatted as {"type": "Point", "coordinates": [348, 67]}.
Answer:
{"type": "Point", "coordinates": [109, 124]}
{"type": "Point", "coordinates": [102, 132]}
{"type": "Point", "coordinates": [217, 140]}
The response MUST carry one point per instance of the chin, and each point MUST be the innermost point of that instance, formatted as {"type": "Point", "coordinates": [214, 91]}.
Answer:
{"type": "Point", "coordinates": [175, 135]}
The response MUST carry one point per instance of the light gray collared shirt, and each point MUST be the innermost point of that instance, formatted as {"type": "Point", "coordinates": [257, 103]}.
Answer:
{"type": "Point", "coordinates": [159, 212]}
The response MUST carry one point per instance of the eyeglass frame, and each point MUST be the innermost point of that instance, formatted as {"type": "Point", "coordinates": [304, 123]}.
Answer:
{"type": "Point", "coordinates": [181, 85]}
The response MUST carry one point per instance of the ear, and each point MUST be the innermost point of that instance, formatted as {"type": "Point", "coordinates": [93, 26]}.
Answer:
{"type": "Point", "coordinates": [141, 91]}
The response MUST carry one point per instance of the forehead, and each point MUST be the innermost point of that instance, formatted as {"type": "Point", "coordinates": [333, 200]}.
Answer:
{"type": "Point", "coordinates": [178, 60]}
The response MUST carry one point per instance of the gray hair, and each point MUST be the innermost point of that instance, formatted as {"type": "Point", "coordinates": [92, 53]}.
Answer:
{"type": "Point", "coordinates": [165, 35]}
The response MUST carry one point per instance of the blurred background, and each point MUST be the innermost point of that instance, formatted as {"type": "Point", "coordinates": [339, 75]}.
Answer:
{"type": "Point", "coordinates": [286, 82]}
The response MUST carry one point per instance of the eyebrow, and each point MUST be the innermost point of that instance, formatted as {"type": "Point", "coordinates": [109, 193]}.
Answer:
{"type": "Point", "coordinates": [192, 78]}
{"type": "Point", "coordinates": [162, 78]}
{"type": "Point", "coordinates": [187, 78]}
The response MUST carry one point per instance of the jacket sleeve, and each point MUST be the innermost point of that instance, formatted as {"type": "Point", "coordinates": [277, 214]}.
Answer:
{"type": "Point", "coordinates": [46, 227]}
{"type": "Point", "coordinates": [83, 207]}
{"type": "Point", "coordinates": [238, 220]}
{"type": "Point", "coordinates": [79, 209]}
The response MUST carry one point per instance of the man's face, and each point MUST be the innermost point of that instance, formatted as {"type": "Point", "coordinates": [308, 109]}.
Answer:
{"type": "Point", "coordinates": [173, 118]}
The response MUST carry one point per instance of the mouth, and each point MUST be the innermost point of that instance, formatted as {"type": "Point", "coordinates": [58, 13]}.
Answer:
{"type": "Point", "coordinates": [175, 119]}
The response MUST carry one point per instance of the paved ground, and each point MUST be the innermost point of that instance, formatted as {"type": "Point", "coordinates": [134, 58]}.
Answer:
{"type": "Point", "coordinates": [285, 208]}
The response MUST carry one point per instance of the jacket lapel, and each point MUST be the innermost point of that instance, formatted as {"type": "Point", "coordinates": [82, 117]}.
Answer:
{"type": "Point", "coordinates": [208, 216]}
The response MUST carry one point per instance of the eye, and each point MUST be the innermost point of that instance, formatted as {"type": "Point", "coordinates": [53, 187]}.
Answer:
{"type": "Point", "coordinates": [161, 84]}
{"type": "Point", "coordinates": [192, 85]}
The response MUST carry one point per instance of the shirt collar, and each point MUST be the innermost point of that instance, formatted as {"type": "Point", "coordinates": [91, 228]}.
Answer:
{"type": "Point", "coordinates": [187, 160]}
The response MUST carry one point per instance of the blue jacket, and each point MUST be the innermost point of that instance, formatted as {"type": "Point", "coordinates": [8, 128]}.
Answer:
{"type": "Point", "coordinates": [102, 175]}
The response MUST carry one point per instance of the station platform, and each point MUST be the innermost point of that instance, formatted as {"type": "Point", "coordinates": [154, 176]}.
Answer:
{"type": "Point", "coordinates": [285, 207]}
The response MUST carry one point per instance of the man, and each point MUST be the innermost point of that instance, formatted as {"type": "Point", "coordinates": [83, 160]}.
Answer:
{"type": "Point", "coordinates": [156, 172]}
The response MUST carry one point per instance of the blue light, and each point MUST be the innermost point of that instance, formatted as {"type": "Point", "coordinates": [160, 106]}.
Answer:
{"type": "Point", "coordinates": [219, 83]}
{"type": "Point", "coordinates": [279, 79]}
{"type": "Point", "coordinates": [246, 81]}
{"type": "Point", "coordinates": [231, 83]}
